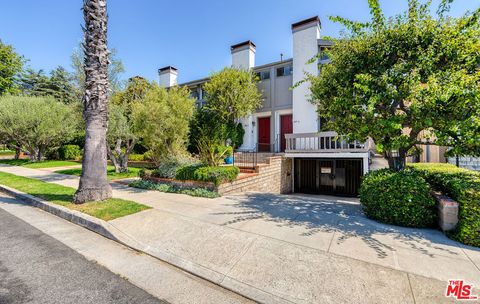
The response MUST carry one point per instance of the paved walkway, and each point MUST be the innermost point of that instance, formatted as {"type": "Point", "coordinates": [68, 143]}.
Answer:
{"type": "Point", "coordinates": [300, 249]}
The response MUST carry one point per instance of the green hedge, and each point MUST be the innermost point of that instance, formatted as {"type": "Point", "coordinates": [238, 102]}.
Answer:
{"type": "Point", "coordinates": [69, 152]}
{"type": "Point", "coordinates": [136, 157]}
{"type": "Point", "coordinates": [399, 198]}
{"type": "Point", "coordinates": [216, 175]}
{"type": "Point", "coordinates": [463, 186]}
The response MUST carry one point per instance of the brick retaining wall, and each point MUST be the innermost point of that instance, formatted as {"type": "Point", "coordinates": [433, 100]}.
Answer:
{"type": "Point", "coordinates": [275, 176]}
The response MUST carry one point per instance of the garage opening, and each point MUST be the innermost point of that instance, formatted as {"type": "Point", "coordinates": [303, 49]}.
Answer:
{"type": "Point", "coordinates": [328, 176]}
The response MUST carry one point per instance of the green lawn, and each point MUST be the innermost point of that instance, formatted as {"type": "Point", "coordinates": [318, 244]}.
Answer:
{"type": "Point", "coordinates": [132, 172]}
{"type": "Point", "coordinates": [37, 165]}
{"type": "Point", "coordinates": [7, 152]}
{"type": "Point", "coordinates": [107, 210]}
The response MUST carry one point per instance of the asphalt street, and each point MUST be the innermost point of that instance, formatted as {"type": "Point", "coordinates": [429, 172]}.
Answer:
{"type": "Point", "coordinates": [36, 268]}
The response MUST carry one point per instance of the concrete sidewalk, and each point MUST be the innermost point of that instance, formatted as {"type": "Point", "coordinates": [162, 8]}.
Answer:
{"type": "Point", "coordinates": [292, 249]}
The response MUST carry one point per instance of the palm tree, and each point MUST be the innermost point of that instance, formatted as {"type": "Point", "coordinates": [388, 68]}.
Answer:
{"type": "Point", "coordinates": [94, 185]}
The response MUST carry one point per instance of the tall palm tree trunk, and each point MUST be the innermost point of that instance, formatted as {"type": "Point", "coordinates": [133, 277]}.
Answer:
{"type": "Point", "coordinates": [94, 185]}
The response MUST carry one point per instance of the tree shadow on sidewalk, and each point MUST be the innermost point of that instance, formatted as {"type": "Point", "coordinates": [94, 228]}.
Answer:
{"type": "Point", "coordinates": [346, 219]}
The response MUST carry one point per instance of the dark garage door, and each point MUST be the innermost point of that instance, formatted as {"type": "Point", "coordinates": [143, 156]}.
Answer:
{"type": "Point", "coordinates": [328, 176]}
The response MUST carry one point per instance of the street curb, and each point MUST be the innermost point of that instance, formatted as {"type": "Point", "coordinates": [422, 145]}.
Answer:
{"type": "Point", "coordinates": [111, 232]}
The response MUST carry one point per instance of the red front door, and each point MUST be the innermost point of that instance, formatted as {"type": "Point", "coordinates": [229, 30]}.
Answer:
{"type": "Point", "coordinates": [286, 127]}
{"type": "Point", "coordinates": [264, 134]}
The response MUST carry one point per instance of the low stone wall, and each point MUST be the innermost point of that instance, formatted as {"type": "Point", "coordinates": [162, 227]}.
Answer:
{"type": "Point", "coordinates": [274, 176]}
{"type": "Point", "coordinates": [467, 162]}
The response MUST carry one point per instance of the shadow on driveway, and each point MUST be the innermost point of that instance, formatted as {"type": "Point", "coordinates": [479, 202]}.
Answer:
{"type": "Point", "coordinates": [346, 218]}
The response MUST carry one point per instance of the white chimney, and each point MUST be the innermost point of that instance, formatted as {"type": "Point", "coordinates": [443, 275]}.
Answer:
{"type": "Point", "coordinates": [168, 76]}
{"type": "Point", "coordinates": [305, 46]}
{"type": "Point", "coordinates": [243, 55]}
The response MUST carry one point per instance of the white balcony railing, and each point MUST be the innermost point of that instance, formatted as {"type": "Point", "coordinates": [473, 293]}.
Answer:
{"type": "Point", "coordinates": [323, 142]}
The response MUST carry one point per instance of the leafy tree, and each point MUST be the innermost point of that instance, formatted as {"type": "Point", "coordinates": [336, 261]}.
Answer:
{"type": "Point", "coordinates": [94, 185]}
{"type": "Point", "coordinates": [404, 78]}
{"type": "Point", "coordinates": [11, 65]}
{"type": "Point", "coordinates": [162, 121]}
{"type": "Point", "coordinates": [115, 70]}
{"type": "Point", "coordinates": [36, 123]}
{"type": "Point", "coordinates": [121, 135]}
{"type": "Point", "coordinates": [208, 124]}
{"type": "Point", "coordinates": [233, 93]}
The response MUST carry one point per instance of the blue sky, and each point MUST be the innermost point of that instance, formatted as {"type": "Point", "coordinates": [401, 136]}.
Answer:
{"type": "Point", "coordinates": [193, 36]}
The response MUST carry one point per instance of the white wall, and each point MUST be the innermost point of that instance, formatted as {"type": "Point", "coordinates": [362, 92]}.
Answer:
{"type": "Point", "coordinates": [305, 47]}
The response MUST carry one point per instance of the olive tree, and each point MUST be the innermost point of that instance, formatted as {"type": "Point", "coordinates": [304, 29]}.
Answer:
{"type": "Point", "coordinates": [400, 79]}
{"type": "Point", "coordinates": [121, 134]}
{"type": "Point", "coordinates": [37, 123]}
{"type": "Point", "coordinates": [162, 121]}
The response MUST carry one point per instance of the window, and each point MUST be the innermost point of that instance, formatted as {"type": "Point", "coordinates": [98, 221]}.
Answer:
{"type": "Point", "coordinates": [284, 71]}
{"type": "Point", "coordinates": [263, 75]}
{"type": "Point", "coordinates": [323, 54]}
{"type": "Point", "coordinates": [204, 94]}
{"type": "Point", "coordinates": [194, 94]}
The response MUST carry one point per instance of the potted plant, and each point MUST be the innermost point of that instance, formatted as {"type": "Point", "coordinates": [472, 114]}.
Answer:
{"type": "Point", "coordinates": [228, 155]}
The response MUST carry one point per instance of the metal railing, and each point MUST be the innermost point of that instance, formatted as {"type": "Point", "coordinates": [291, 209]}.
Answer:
{"type": "Point", "coordinates": [245, 159]}
{"type": "Point", "coordinates": [324, 142]}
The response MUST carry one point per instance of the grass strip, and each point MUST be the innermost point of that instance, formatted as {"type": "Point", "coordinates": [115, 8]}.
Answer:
{"type": "Point", "coordinates": [107, 210]}
{"type": "Point", "coordinates": [38, 165]}
{"type": "Point", "coordinates": [111, 174]}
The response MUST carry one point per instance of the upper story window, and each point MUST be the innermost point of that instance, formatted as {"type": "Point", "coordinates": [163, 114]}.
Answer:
{"type": "Point", "coordinates": [323, 54]}
{"type": "Point", "coordinates": [284, 71]}
{"type": "Point", "coordinates": [204, 94]}
{"type": "Point", "coordinates": [194, 94]}
{"type": "Point", "coordinates": [263, 75]}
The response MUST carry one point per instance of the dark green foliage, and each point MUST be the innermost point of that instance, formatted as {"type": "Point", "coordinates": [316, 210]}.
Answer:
{"type": "Point", "coordinates": [463, 186]}
{"type": "Point", "coordinates": [216, 175]}
{"type": "Point", "coordinates": [69, 152]}
{"type": "Point", "coordinates": [208, 123]}
{"type": "Point", "coordinates": [199, 192]}
{"type": "Point", "coordinates": [11, 65]}
{"type": "Point", "coordinates": [399, 198]}
{"type": "Point", "coordinates": [59, 85]}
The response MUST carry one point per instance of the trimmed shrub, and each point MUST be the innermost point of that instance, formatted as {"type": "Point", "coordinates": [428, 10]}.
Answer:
{"type": "Point", "coordinates": [216, 175]}
{"type": "Point", "coordinates": [144, 173]}
{"type": "Point", "coordinates": [463, 186]}
{"type": "Point", "coordinates": [168, 169]}
{"type": "Point", "coordinates": [399, 198]}
{"type": "Point", "coordinates": [136, 157]}
{"type": "Point", "coordinates": [199, 192]}
{"type": "Point", "coordinates": [69, 152]}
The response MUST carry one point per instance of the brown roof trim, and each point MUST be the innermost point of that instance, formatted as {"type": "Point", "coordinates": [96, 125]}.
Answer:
{"type": "Point", "coordinates": [248, 42]}
{"type": "Point", "coordinates": [306, 21]}
{"type": "Point", "coordinates": [167, 68]}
